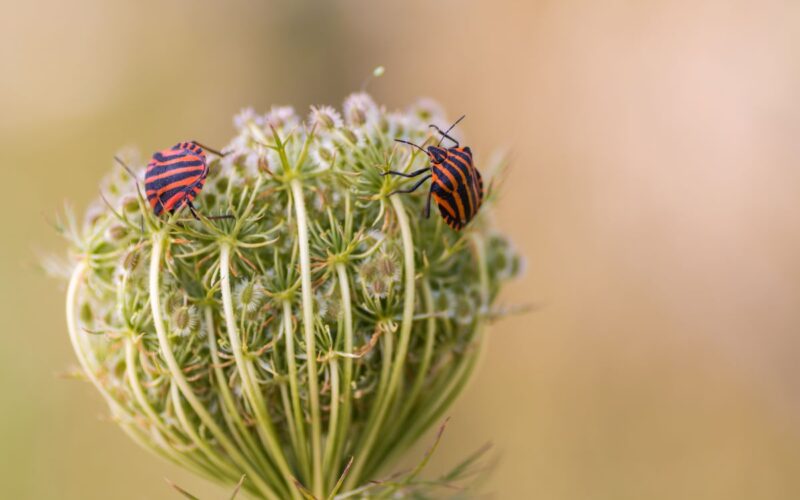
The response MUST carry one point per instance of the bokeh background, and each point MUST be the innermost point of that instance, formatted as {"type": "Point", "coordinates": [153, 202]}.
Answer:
{"type": "Point", "coordinates": [655, 192]}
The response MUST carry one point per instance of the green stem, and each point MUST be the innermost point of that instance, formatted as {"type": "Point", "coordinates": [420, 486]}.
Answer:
{"type": "Point", "coordinates": [250, 386]}
{"type": "Point", "coordinates": [387, 347]}
{"type": "Point", "coordinates": [286, 404]}
{"type": "Point", "coordinates": [428, 416]}
{"type": "Point", "coordinates": [138, 392]}
{"type": "Point", "coordinates": [430, 338]}
{"type": "Point", "coordinates": [288, 414]}
{"type": "Point", "coordinates": [72, 325]}
{"type": "Point", "coordinates": [297, 410]}
{"type": "Point", "coordinates": [402, 347]}
{"type": "Point", "coordinates": [125, 420]}
{"type": "Point", "coordinates": [347, 383]}
{"type": "Point", "coordinates": [228, 407]}
{"type": "Point", "coordinates": [399, 425]}
{"type": "Point", "coordinates": [131, 362]}
{"type": "Point", "coordinates": [221, 468]}
{"type": "Point", "coordinates": [333, 423]}
{"type": "Point", "coordinates": [180, 380]}
{"type": "Point", "coordinates": [308, 328]}
{"type": "Point", "coordinates": [432, 412]}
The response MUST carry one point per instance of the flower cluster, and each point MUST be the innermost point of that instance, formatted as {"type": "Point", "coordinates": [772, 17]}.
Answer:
{"type": "Point", "coordinates": [309, 339]}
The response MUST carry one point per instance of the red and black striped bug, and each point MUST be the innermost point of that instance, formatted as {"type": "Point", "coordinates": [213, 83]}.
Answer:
{"type": "Point", "coordinates": [175, 176]}
{"type": "Point", "coordinates": [457, 187]}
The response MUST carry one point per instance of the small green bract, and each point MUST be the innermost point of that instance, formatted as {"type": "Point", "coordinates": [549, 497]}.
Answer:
{"type": "Point", "coordinates": [310, 339]}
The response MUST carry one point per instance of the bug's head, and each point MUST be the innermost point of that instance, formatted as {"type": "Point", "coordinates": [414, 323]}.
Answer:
{"type": "Point", "coordinates": [437, 154]}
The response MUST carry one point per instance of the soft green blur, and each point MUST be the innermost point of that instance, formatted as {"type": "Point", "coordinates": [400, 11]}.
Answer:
{"type": "Point", "coordinates": [654, 190]}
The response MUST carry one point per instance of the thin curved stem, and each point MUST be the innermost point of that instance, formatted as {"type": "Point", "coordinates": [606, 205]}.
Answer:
{"type": "Point", "coordinates": [125, 420]}
{"type": "Point", "coordinates": [221, 468]}
{"type": "Point", "coordinates": [131, 360]}
{"type": "Point", "coordinates": [72, 326]}
{"type": "Point", "coordinates": [430, 337]}
{"type": "Point", "coordinates": [180, 380]}
{"type": "Point", "coordinates": [333, 422]}
{"type": "Point", "coordinates": [230, 412]}
{"type": "Point", "coordinates": [251, 389]}
{"type": "Point", "coordinates": [402, 346]}
{"type": "Point", "coordinates": [297, 410]}
{"type": "Point", "coordinates": [290, 424]}
{"type": "Point", "coordinates": [399, 423]}
{"type": "Point", "coordinates": [456, 382]}
{"type": "Point", "coordinates": [138, 392]}
{"type": "Point", "coordinates": [347, 374]}
{"type": "Point", "coordinates": [308, 329]}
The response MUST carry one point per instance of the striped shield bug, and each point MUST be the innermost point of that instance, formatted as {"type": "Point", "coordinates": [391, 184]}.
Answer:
{"type": "Point", "coordinates": [457, 187]}
{"type": "Point", "coordinates": [175, 176]}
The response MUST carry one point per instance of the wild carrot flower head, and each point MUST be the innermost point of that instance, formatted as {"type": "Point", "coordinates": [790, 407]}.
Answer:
{"type": "Point", "coordinates": [310, 338]}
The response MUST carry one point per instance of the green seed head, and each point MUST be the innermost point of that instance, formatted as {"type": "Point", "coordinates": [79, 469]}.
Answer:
{"type": "Point", "coordinates": [185, 321]}
{"type": "Point", "coordinates": [324, 320]}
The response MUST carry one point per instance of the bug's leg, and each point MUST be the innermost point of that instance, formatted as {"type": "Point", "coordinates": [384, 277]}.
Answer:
{"type": "Point", "coordinates": [193, 210]}
{"type": "Point", "coordinates": [209, 217]}
{"type": "Point", "coordinates": [411, 189]}
{"type": "Point", "coordinates": [444, 134]}
{"type": "Point", "coordinates": [412, 174]}
{"type": "Point", "coordinates": [428, 205]}
{"type": "Point", "coordinates": [218, 217]}
{"type": "Point", "coordinates": [159, 208]}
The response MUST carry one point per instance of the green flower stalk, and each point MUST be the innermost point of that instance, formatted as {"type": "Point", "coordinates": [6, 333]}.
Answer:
{"type": "Point", "coordinates": [310, 339]}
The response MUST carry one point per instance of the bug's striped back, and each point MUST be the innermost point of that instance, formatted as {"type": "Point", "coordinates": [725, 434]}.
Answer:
{"type": "Point", "coordinates": [457, 186]}
{"type": "Point", "coordinates": [175, 176]}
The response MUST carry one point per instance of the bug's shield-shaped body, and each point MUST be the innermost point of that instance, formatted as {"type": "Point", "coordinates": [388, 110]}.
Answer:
{"type": "Point", "coordinates": [175, 176]}
{"type": "Point", "coordinates": [457, 186]}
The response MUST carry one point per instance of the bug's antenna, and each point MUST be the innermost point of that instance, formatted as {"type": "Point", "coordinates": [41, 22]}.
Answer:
{"type": "Point", "coordinates": [127, 168]}
{"type": "Point", "coordinates": [411, 144]}
{"type": "Point", "coordinates": [138, 189]}
{"type": "Point", "coordinates": [455, 123]}
{"type": "Point", "coordinates": [209, 149]}
{"type": "Point", "coordinates": [444, 134]}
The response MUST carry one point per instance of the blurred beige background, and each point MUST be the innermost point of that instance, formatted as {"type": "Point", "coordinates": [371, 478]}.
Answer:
{"type": "Point", "coordinates": [655, 191]}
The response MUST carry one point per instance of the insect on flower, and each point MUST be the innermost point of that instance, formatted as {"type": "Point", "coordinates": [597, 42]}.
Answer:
{"type": "Point", "coordinates": [457, 187]}
{"type": "Point", "coordinates": [175, 176]}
